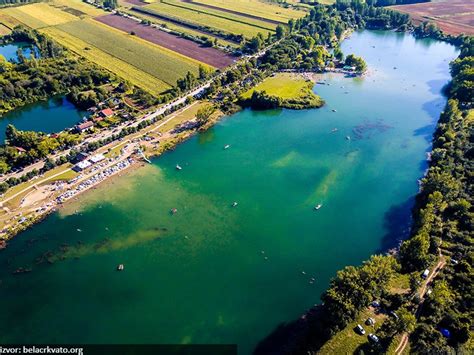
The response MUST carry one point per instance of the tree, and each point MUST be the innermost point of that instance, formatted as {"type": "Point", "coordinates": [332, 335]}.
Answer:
{"type": "Point", "coordinates": [203, 72]}
{"type": "Point", "coordinates": [406, 321]}
{"type": "Point", "coordinates": [204, 113]}
{"type": "Point", "coordinates": [279, 31]}
{"type": "Point", "coordinates": [357, 62]}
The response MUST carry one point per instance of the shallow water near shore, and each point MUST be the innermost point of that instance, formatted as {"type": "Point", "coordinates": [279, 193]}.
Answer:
{"type": "Point", "coordinates": [213, 273]}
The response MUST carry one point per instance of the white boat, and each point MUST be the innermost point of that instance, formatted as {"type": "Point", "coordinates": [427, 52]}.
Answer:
{"type": "Point", "coordinates": [334, 130]}
{"type": "Point", "coordinates": [334, 110]}
{"type": "Point", "coordinates": [178, 167]}
{"type": "Point", "coordinates": [348, 138]}
{"type": "Point", "coordinates": [234, 204]}
{"type": "Point", "coordinates": [120, 267]}
{"type": "Point", "coordinates": [227, 146]}
{"type": "Point", "coordinates": [317, 207]}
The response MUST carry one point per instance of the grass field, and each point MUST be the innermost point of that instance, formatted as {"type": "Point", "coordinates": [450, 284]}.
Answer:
{"type": "Point", "coordinates": [347, 340]}
{"type": "Point", "coordinates": [182, 29]}
{"type": "Point", "coordinates": [128, 72]}
{"type": "Point", "coordinates": [204, 19]}
{"type": "Point", "coordinates": [256, 8]}
{"type": "Point", "coordinates": [161, 63]}
{"type": "Point", "coordinates": [283, 85]}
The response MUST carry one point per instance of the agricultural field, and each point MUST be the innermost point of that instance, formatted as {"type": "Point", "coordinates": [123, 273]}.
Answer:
{"type": "Point", "coordinates": [260, 22]}
{"type": "Point", "coordinates": [161, 63]}
{"type": "Point", "coordinates": [76, 7]}
{"type": "Point", "coordinates": [39, 15]}
{"type": "Point", "coordinates": [253, 9]}
{"type": "Point", "coordinates": [152, 60]}
{"type": "Point", "coordinates": [4, 30]}
{"type": "Point", "coordinates": [8, 21]}
{"type": "Point", "coordinates": [452, 16]}
{"type": "Point", "coordinates": [208, 55]}
{"type": "Point", "coordinates": [227, 23]}
{"type": "Point", "coordinates": [130, 73]}
{"type": "Point", "coordinates": [182, 29]}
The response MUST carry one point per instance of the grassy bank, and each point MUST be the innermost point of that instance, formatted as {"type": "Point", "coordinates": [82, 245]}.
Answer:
{"type": "Point", "coordinates": [285, 90]}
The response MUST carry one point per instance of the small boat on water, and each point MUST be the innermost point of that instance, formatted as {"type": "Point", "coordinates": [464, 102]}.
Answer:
{"type": "Point", "coordinates": [234, 204]}
{"type": "Point", "coordinates": [79, 230]}
{"type": "Point", "coordinates": [120, 267]}
{"type": "Point", "coordinates": [318, 206]}
{"type": "Point", "coordinates": [334, 130]}
{"type": "Point", "coordinates": [348, 138]}
{"type": "Point", "coordinates": [227, 146]}
{"type": "Point", "coordinates": [334, 110]}
{"type": "Point", "coordinates": [178, 167]}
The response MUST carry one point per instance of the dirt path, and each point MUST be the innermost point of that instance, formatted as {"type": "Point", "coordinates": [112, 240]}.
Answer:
{"type": "Point", "coordinates": [404, 340]}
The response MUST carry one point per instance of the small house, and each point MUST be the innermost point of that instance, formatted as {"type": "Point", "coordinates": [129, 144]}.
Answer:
{"type": "Point", "coordinates": [83, 127]}
{"type": "Point", "coordinates": [97, 158]}
{"type": "Point", "coordinates": [106, 113]}
{"type": "Point", "coordinates": [81, 166]}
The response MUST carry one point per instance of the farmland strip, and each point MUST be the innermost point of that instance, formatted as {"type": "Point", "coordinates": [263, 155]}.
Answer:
{"type": "Point", "coordinates": [234, 12]}
{"type": "Point", "coordinates": [188, 48]}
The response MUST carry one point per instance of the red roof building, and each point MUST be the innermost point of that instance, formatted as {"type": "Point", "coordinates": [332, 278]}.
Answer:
{"type": "Point", "coordinates": [107, 112]}
{"type": "Point", "coordinates": [84, 126]}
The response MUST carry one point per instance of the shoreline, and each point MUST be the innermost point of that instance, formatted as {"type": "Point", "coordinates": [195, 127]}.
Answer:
{"type": "Point", "coordinates": [134, 160]}
{"type": "Point", "coordinates": [172, 140]}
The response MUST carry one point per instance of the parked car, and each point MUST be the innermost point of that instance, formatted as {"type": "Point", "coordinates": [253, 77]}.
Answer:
{"type": "Point", "coordinates": [360, 329]}
{"type": "Point", "coordinates": [370, 321]}
{"type": "Point", "coordinates": [373, 338]}
{"type": "Point", "coordinates": [375, 304]}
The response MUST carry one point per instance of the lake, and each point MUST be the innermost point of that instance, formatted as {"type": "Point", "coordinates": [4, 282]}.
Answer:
{"type": "Point", "coordinates": [213, 273]}
{"type": "Point", "coordinates": [9, 51]}
{"type": "Point", "coordinates": [49, 116]}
